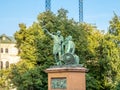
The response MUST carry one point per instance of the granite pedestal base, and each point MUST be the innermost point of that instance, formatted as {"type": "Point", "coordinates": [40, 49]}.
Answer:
{"type": "Point", "coordinates": [66, 78]}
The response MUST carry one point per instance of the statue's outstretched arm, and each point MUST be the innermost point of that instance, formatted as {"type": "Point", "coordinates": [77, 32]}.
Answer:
{"type": "Point", "coordinates": [45, 30]}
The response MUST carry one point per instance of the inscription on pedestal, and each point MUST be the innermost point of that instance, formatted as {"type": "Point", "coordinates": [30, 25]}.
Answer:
{"type": "Point", "coordinates": [58, 83]}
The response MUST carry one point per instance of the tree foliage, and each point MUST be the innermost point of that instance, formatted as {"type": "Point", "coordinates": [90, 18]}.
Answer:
{"type": "Point", "coordinates": [99, 52]}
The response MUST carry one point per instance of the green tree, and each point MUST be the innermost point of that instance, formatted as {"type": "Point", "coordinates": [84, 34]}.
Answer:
{"type": "Point", "coordinates": [29, 74]}
{"type": "Point", "coordinates": [4, 79]}
{"type": "Point", "coordinates": [99, 52]}
{"type": "Point", "coordinates": [114, 27]}
{"type": "Point", "coordinates": [36, 49]}
{"type": "Point", "coordinates": [114, 30]}
{"type": "Point", "coordinates": [108, 62]}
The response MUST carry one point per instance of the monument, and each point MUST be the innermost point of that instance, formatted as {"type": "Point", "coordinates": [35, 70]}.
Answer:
{"type": "Point", "coordinates": [67, 73]}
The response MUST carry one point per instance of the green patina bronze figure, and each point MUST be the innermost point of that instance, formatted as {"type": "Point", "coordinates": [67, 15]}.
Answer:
{"type": "Point", "coordinates": [58, 45]}
{"type": "Point", "coordinates": [69, 56]}
{"type": "Point", "coordinates": [63, 50]}
{"type": "Point", "coordinates": [69, 45]}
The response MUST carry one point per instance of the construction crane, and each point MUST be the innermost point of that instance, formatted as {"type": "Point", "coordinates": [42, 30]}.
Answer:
{"type": "Point", "coordinates": [48, 8]}
{"type": "Point", "coordinates": [48, 5]}
{"type": "Point", "coordinates": [80, 10]}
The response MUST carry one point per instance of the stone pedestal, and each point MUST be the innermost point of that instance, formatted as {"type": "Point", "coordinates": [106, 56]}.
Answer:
{"type": "Point", "coordinates": [66, 78]}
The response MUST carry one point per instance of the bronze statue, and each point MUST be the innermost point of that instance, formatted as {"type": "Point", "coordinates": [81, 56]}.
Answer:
{"type": "Point", "coordinates": [58, 45]}
{"type": "Point", "coordinates": [63, 51]}
{"type": "Point", "coordinates": [69, 45]}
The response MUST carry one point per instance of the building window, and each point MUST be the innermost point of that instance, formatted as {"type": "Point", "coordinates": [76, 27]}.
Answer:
{"type": "Point", "coordinates": [3, 38]}
{"type": "Point", "coordinates": [7, 64]}
{"type": "Point", "coordinates": [6, 50]}
{"type": "Point", "coordinates": [1, 50]}
{"type": "Point", "coordinates": [1, 65]}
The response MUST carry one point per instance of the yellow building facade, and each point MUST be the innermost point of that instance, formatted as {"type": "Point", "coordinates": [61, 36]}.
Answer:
{"type": "Point", "coordinates": [8, 51]}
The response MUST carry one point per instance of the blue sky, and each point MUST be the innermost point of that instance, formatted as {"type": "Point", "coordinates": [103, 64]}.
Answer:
{"type": "Point", "coordinates": [13, 12]}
